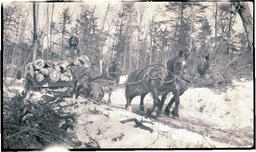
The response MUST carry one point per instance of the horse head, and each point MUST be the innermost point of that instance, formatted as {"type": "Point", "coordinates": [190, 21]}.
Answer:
{"type": "Point", "coordinates": [197, 66]}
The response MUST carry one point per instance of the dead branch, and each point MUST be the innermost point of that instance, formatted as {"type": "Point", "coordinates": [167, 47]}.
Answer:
{"type": "Point", "coordinates": [224, 67]}
{"type": "Point", "coordinates": [138, 124]}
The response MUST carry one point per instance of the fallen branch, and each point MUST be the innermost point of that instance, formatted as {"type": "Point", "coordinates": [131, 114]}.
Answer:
{"type": "Point", "coordinates": [90, 144]}
{"type": "Point", "coordinates": [92, 100]}
{"type": "Point", "coordinates": [224, 67]}
{"type": "Point", "coordinates": [138, 124]}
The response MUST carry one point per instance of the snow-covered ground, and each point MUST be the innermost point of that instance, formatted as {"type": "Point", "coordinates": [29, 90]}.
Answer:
{"type": "Point", "coordinates": [228, 115]}
{"type": "Point", "coordinates": [232, 109]}
{"type": "Point", "coordinates": [106, 129]}
{"type": "Point", "coordinates": [12, 87]}
{"type": "Point", "coordinates": [227, 110]}
{"type": "Point", "coordinates": [208, 118]}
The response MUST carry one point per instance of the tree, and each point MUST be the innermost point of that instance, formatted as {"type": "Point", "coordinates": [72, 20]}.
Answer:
{"type": "Point", "coordinates": [91, 38]}
{"type": "Point", "coordinates": [124, 34]}
{"type": "Point", "coordinates": [182, 23]}
{"type": "Point", "coordinates": [14, 22]}
{"type": "Point", "coordinates": [197, 14]}
{"type": "Point", "coordinates": [35, 24]}
{"type": "Point", "coordinates": [205, 32]}
{"type": "Point", "coordinates": [64, 23]}
{"type": "Point", "coordinates": [244, 12]}
{"type": "Point", "coordinates": [141, 10]}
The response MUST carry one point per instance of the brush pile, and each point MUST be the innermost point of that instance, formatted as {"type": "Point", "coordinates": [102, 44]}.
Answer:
{"type": "Point", "coordinates": [33, 121]}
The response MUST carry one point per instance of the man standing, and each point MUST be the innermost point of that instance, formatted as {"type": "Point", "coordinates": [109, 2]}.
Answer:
{"type": "Point", "coordinates": [115, 71]}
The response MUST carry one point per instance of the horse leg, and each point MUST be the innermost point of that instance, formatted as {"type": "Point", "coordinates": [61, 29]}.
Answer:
{"type": "Point", "coordinates": [109, 95]}
{"type": "Point", "coordinates": [142, 102]}
{"type": "Point", "coordinates": [156, 100]}
{"type": "Point", "coordinates": [168, 107]}
{"type": "Point", "coordinates": [117, 80]}
{"type": "Point", "coordinates": [78, 90]}
{"type": "Point", "coordinates": [160, 107]}
{"type": "Point", "coordinates": [175, 111]}
{"type": "Point", "coordinates": [128, 102]}
{"type": "Point", "coordinates": [74, 86]}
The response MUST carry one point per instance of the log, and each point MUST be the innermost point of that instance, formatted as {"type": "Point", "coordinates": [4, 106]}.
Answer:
{"type": "Point", "coordinates": [54, 76]}
{"type": "Point", "coordinates": [42, 73]}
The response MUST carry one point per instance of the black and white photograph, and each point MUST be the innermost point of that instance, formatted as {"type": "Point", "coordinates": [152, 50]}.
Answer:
{"type": "Point", "coordinates": [127, 75]}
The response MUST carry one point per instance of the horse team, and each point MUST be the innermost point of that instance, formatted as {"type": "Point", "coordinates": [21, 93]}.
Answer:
{"type": "Point", "coordinates": [159, 80]}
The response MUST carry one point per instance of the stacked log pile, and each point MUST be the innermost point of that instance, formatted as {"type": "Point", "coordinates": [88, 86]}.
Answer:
{"type": "Point", "coordinates": [43, 73]}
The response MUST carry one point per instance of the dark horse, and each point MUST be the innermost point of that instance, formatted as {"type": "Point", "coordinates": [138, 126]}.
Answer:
{"type": "Point", "coordinates": [150, 79]}
{"type": "Point", "coordinates": [175, 83]}
{"type": "Point", "coordinates": [195, 67]}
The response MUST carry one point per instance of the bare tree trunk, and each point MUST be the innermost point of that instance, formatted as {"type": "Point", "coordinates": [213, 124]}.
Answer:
{"type": "Point", "coordinates": [244, 12]}
{"type": "Point", "coordinates": [215, 38]}
{"type": "Point", "coordinates": [150, 45]}
{"type": "Point", "coordinates": [229, 31]}
{"type": "Point", "coordinates": [120, 33]}
{"type": "Point", "coordinates": [102, 28]}
{"type": "Point", "coordinates": [191, 26]}
{"type": "Point", "coordinates": [181, 25]}
{"type": "Point", "coordinates": [35, 15]}
{"type": "Point", "coordinates": [51, 35]}
{"type": "Point", "coordinates": [125, 54]}
{"type": "Point", "coordinates": [48, 43]}
{"type": "Point", "coordinates": [130, 43]}
{"type": "Point", "coordinates": [14, 49]}
{"type": "Point", "coordinates": [141, 11]}
{"type": "Point", "coordinates": [103, 24]}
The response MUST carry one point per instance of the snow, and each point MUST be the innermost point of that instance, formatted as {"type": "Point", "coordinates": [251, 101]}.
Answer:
{"type": "Point", "coordinates": [230, 109]}
{"type": "Point", "coordinates": [226, 110]}
{"type": "Point", "coordinates": [13, 87]}
{"type": "Point", "coordinates": [123, 79]}
{"type": "Point", "coordinates": [113, 134]}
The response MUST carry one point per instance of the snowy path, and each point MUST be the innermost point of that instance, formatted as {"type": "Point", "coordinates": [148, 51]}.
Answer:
{"type": "Point", "coordinates": [208, 119]}
{"type": "Point", "coordinates": [218, 119]}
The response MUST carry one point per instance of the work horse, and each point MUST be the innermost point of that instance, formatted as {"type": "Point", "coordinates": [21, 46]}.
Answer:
{"type": "Point", "coordinates": [152, 79]}
{"type": "Point", "coordinates": [176, 82]}
{"type": "Point", "coordinates": [94, 84]}
{"type": "Point", "coordinates": [195, 67]}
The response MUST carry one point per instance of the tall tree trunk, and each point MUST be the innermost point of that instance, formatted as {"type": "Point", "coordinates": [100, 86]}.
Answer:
{"type": "Point", "coordinates": [14, 49]}
{"type": "Point", "coordinates": [48, 43]}
{"type": "Point", "coordinates": [103, 24]}
{"type": "Point", "coordinates": [51, 28]}
{"type": "Point", "coordinates": [120, 35]}
{"type": "Point", "coordinates": [102, 28]}
{"type": "Point", "coordinates": [229, 31]}
{"type": "Point", "coordinates": [215, 32]}
{"type": "Point", "coordinates": [35, 23]}
{"type": "Point", "coordinates": [141, 11]}
{"type": "Point", "coordinates": [181, 27]}
{"type": "Point", "coordinates": [245, 14]}
{"type": "Point", "coordinates": [124, 57]}
{"type": "Point", "coordinates": [191, 27]}
{"type": "Point", "coordinates": [151, 42]}
{"type": "Point", "coordinates": [130, 43]}
{"type": "Point", "coordinates": [62, 37]}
